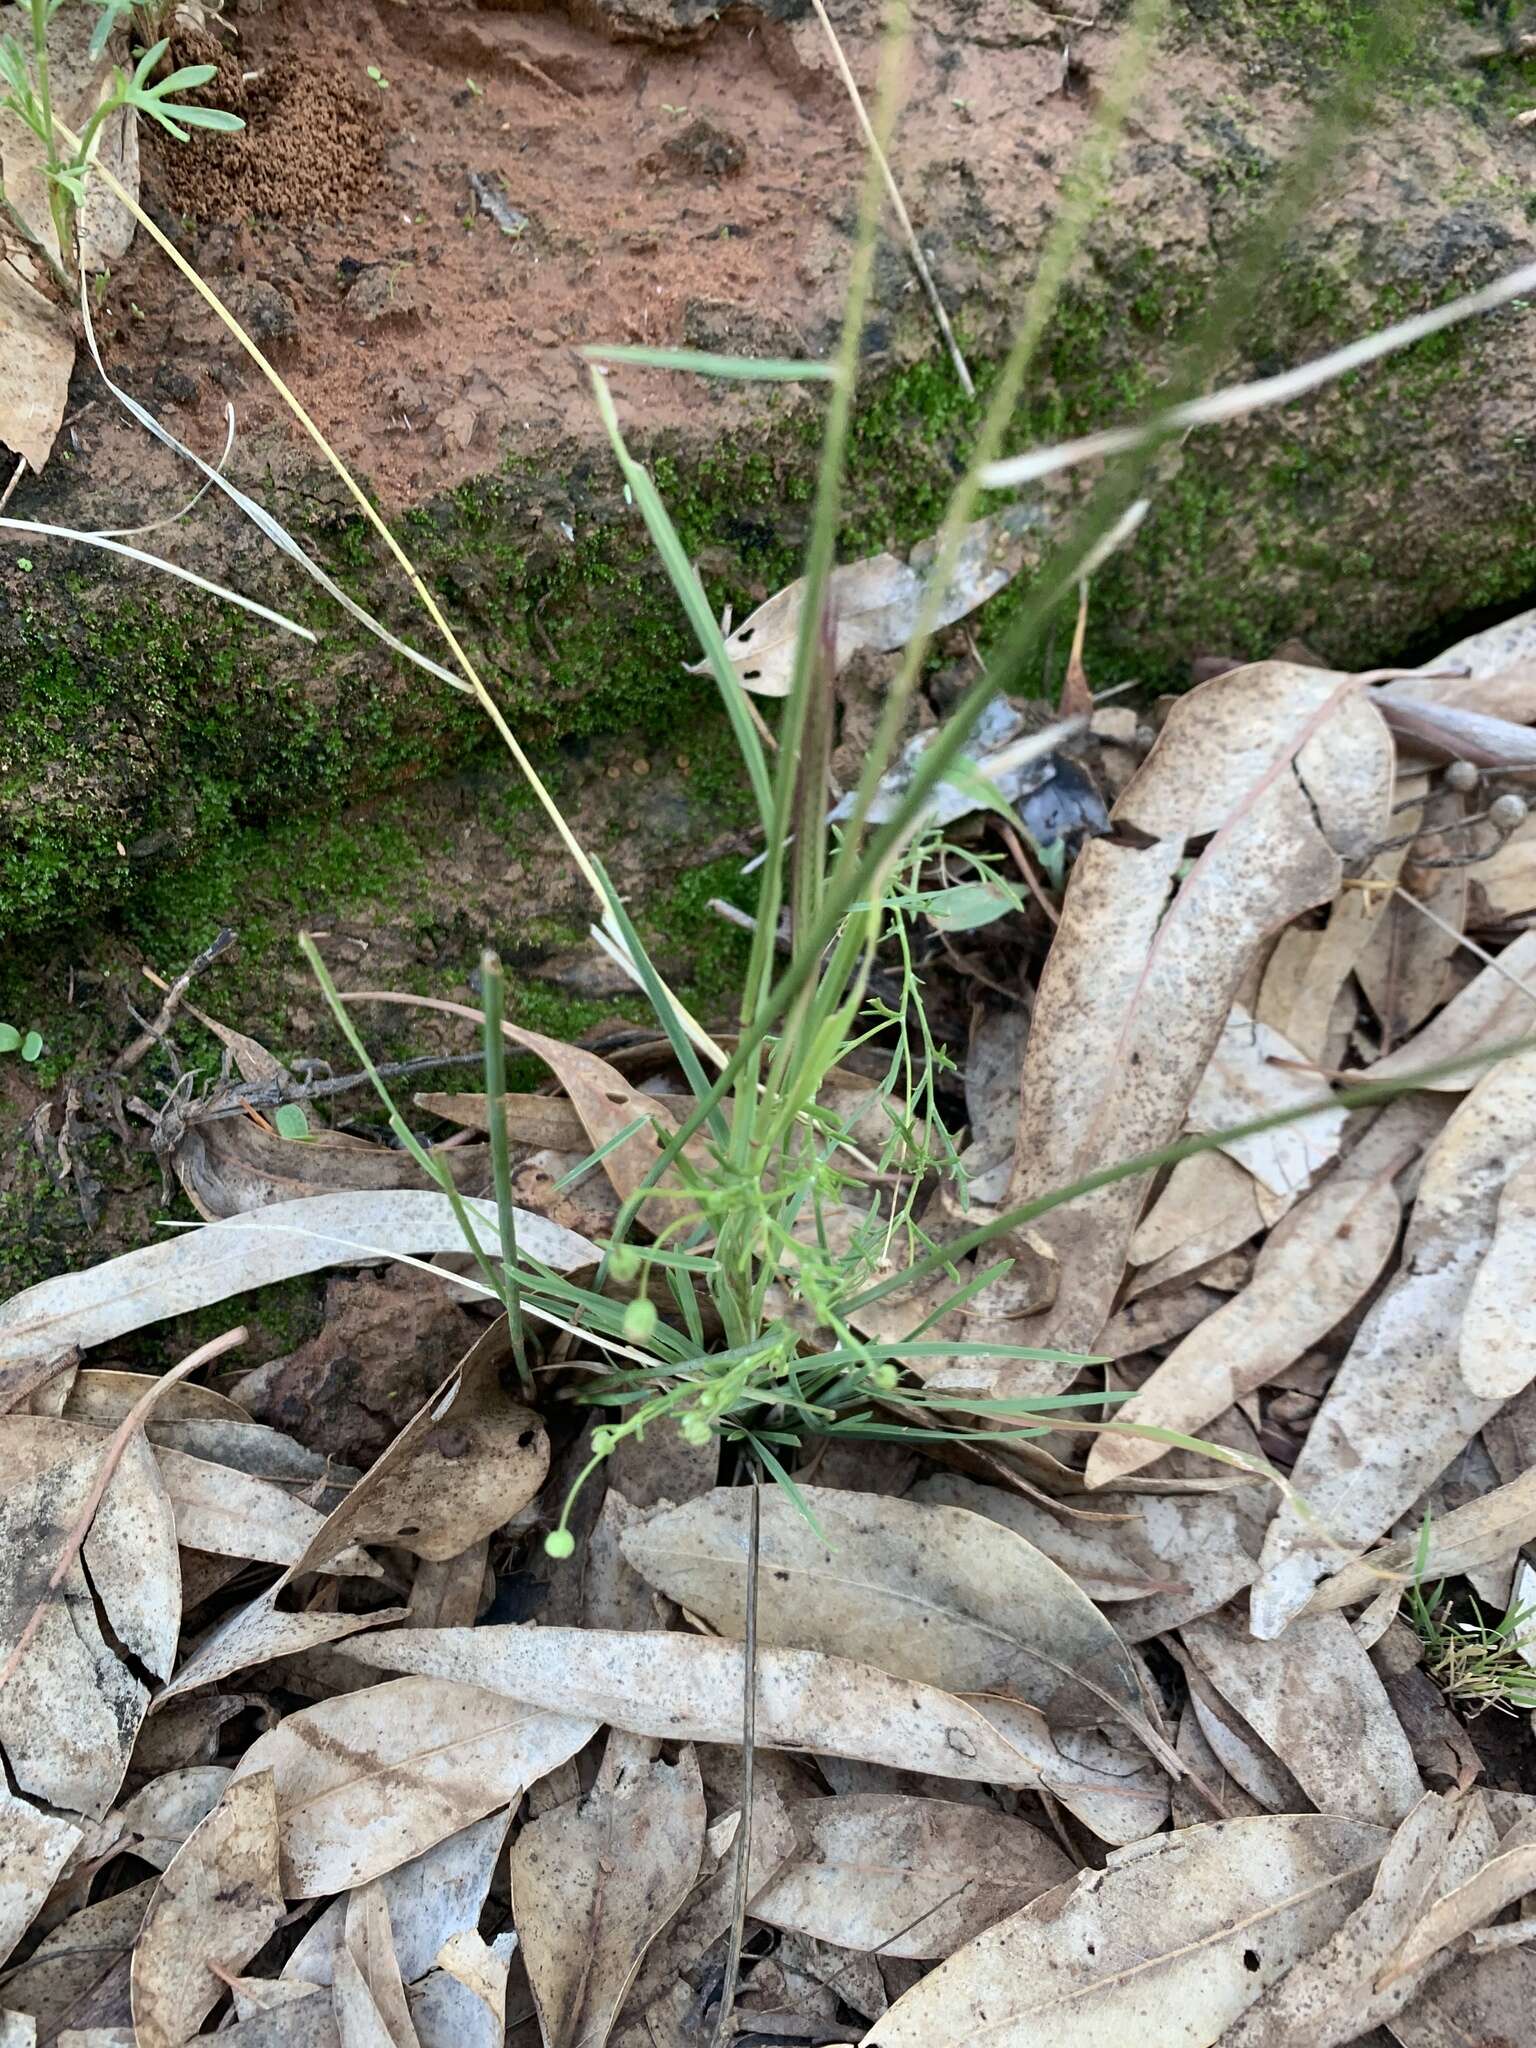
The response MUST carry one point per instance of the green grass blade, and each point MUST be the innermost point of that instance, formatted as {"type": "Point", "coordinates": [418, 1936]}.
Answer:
{"type": "Point", "coordinates": [750, 369]}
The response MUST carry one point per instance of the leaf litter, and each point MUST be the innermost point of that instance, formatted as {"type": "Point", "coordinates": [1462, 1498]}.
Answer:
{"type": "Point", "coordinates": [1054, 1739]}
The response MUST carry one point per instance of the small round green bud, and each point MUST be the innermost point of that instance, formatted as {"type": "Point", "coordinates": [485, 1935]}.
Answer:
{"type": "Point", "coordinates": [884, 1377]}
{"type": "Point", "coordinates": [559, 1543]}
{"type": "Point", "coordinates": [624, 1264]}
{"type": "Point", "coordinates": [695, 1429]}
{"type": "Point", "coordinates": [639, 1319]}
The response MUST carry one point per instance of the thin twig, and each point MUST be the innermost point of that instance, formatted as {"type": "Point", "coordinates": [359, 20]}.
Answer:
{"type": "Point", "coordinates": [156, 1030]}
{"type": "Point", "coordinates": [1026, 868]}
{"type": "Point", "coordinates": [271, 1094]}
{"type": "Point", "coordinates": [122, 1436]}
{"type": "Point", "coordinates": [16, 476]}
{"type": "Point", "coordinates": [898, 205]}
{"type": "Point", "coordinates": [748, 1750]}
{"type": "Point", "coordinates": [1477, 951]}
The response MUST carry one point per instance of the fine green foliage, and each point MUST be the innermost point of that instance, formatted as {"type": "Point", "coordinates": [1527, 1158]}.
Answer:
{"type": "Point", "coordinates": [26, 91]}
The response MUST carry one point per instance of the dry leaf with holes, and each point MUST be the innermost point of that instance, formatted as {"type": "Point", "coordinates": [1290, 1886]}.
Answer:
{"type": "Point", "coordinates": [71, 1709]}
{"type": "Point", "coordinates": [595, 1882]}
{"type": "Point", "coordinates": [1399, 1409]}
{"type": "Point", "coordinates": [1285, 772]}
{"type": "Point", "coordinates": [909, 1877]}
{"type": "Point", "coordinates": [1315, 1700]}
{"type": "Point", "coordinates": [1315, 1266]}
{"type": "Point", "coordinates": [931, 1593]}
{"type": "Point", "coordinates": [370, 1779]}
{"type": "Point", "coordinates": [216, 1905]}
{"type": "Point", "coordinates": [196, 1269]}
{"type": "Point", "coordinates": [1151, 1949]}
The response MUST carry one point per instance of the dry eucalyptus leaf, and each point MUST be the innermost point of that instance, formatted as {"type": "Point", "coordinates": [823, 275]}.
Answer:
{"type": "Point", "coordinates": [71, 1710]}
{"type": "Point", "coordinates": [306, 2023]}
{"type": "Point", "coordinates": [217, 1903]}
{"type": "Point", "coordinates": [1209, 1205]}
{"type": "Point", "coordinates": [34, 1848]}
{"type": "Point", "coordinates": [1255, 1072]}
{"type": "Point", "coordinates": [154, 1823]}
{"type": "Point", "coordinates": [1285, 772]}
{"type": "Point", "coordinates": [233, 1515]}
{"type": "Point", "coordinates": [932, 1593]}
{"type": "Point", "coordinates": [1317, 1702]}
{"type": "Point", "coordinates": [875, 603]}
{"type": "Point", "coordinates": [78, 1975]}
{"type": "Point", "coordinates": [468, 1461]}
{"type": "Point", "coordinates": [17, 2030]}
{"type": "Point", "coordinates": [370, 1779]}
{"type": "Point", "coordinates": [464, 2004]}
{"type": "Point", "coordinates": [229, 1166]}
{"type": "Point", "coordinates": [258, 1633]}
{"type": "Point", "coordinates": [1315, 1266]}
{"type": "Point", "coordinates": [909, 1877]}
{"type": "Point", "coordinates": [1485, 1999]}
{"type": "Point", "coordinates": [1491, 1011]}
{"type": "Point", "coordinates": [369, 1994]}
{"type": "Point", "coordinates": [595, 1882]}
{"type": "Point", "coordinates": [1162, 1559]}
{"type": "Point", "coordinates": [1486, 1528]}
{"type": "Point", "coordinates": [1502, 888]}
{"type": "Point", "coordinates": [1166, 1947]}
{"type": "Point", "coordinates": [1399, 1409]}
{"type": "Point", "coordinates": [689, 1689]}
{"type": "Point", "coordinates": [1405, 969]}
{"type": "Point", "coordinates": [195, 1269]}
{"type": "Point", "coordinates": [1498, 1332]}
{"type": "Point", "coordinates": [430, 1899]}
{"type": "Point", "coordinates": [35, 367]}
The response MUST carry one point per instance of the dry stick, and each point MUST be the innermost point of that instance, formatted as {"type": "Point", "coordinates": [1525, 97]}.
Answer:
{"type": "Point", "coordinates": [748, 1751]}
{"type": "Point", "coordinates": [1488, 959]}
{"type": "Point", "coordinates": [156, 1030]}
{"type": "Point", "coordinates": [898, 205]}
{"type": "Point", "coordinates": [122, 1436]}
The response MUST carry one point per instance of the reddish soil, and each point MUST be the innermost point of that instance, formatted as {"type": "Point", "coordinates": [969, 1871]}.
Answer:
{"type": "Point", "coordinates": [672, 177]}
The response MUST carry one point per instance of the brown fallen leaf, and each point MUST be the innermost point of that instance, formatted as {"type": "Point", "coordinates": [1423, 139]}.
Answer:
{"type": "Point", "coordinates": [35, 367]}
{"type": "Point", "coordinates": [71, 1709]}
{"type": "Point", "coordinates": [1497, 1351]}
{"type": "Point", "coordinates": [464, 2004]}
{"type": "Point", "coordinates": [1488, 1527]}
{"type": "Point", "coordinates": [1209, 1206]}
{"type": "Point", "coordinates": [909, 1877]}
{"type": "Point", "coordinates": [1318, 1704]}
{"type": "Point", "coordinates": [1399, 1409]}
{"type": "Point", "coordinates": [1316, 1265]}
{"type": "Point", "coordinates": [231, 1165]}
{"type": "Point", "coordinates": [1285, 771]}
{"type": "Point", "coordinates": [154, 1823]}
{"type": "Point", "coordinates": [370, 1779]}
{"type": "Point", "coordinates": [1405, 969]}
{"type": "Point", "coordinates": [595, 1882]}
{"type": "Point", "coordinates": [466, 1463]}
{"type": "Point", "coordinates": [1255, 1072]}
{"type": "Point", "coordinates": [259, 1632]}
{"type": "Point", "coordinates": [216, 1905]}
{"type": "Point", "coordinates": [932, 1593]}
{"type": "Point", "coordinates": [78, 1975]}
{"type": "Point", "coordinates": [1149, 1949]}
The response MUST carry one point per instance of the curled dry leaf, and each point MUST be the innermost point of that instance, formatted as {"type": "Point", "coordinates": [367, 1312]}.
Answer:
{"type": "Point", "coordinates": [70, 1711]}
{"type": "Point", "coordinates": [932, 1593]}
{"type": "Point", "coordinates": [468, 1461]}
{"type": "Point", "coordinates": [875, 603]}
{"type": "Point", "coordinates": [154, 1823]}
{"type": "Point", "coordinates": [257, 1633]}
{"type": "Point", "coordinates": [216, 1905]}
{"type": "Point", "coordinates": [1285, 772]}
{"type": "Point", "coordinates": [229, 1166]}
{"type": "Point", "coordinates": [1317, 1702]}
{"type": "Point", "coordinates": [1316, 1265]}
{"type": "Point", "coordinates": [1488, 1527]}
{"type": "Point", "coordinates": [1210, 1206]}
{"type": "Point", "coordinates": [370, 1779]}
{"type": "Point", "coordinates": [1399, 1409]}
{"type": "Point", "coordinates": [1498, 1332]}
{"type": "Point", "coordinates": [1149, 1950]}
{"type": "Point", "coordinates": [909, 1877]}
{"type": "Point", "coordinates": [595, 1882]}
{"type": "Point", "coordinates": [197, 1268]}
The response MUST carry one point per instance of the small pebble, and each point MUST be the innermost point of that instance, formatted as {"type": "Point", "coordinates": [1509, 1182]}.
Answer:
{"type": "Point", "coordinates": [1461, 776]}
{"type": "Point", "coordinates": [1508, 811]}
